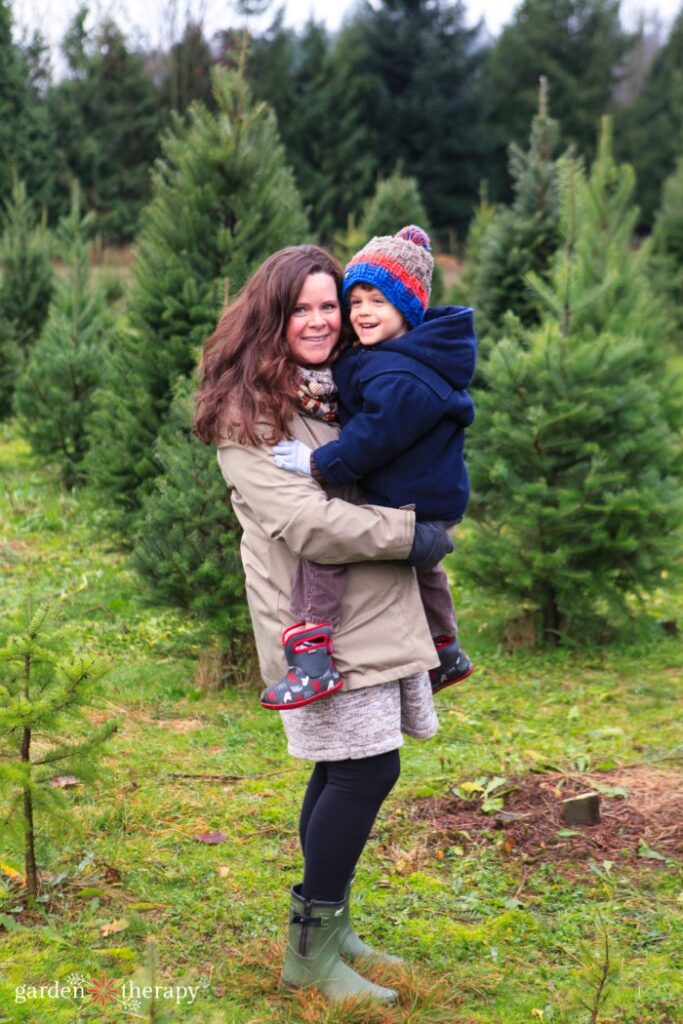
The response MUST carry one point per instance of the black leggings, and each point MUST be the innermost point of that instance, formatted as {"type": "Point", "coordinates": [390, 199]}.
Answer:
{"type": "Point", "coordinates": [339, 808]}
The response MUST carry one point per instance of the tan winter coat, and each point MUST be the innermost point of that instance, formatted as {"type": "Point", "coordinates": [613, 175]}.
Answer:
{"type": "Point", "coordinates": [383, 634]}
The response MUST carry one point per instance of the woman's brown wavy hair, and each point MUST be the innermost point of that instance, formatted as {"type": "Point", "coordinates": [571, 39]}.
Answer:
{"type": "Point", "coordinates": [246, 372]}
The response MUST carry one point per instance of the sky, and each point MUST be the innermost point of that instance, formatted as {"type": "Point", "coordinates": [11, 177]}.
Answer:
{"type": "Point", "coordinates": [158, 22]}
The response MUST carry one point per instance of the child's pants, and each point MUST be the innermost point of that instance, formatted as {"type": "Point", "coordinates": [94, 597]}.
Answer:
{"type": "Point", "coordinates": [318, 591]}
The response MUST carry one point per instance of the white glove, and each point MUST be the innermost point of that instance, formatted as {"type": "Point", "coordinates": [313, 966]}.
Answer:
{"type": "Point", "coordinates": [294, 456]}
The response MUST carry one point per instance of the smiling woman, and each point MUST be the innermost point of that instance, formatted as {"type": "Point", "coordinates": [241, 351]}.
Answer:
{"type": "Point", "coordinates": [266, 376]}
{"type": "Point", "coordinates": [313, 328]}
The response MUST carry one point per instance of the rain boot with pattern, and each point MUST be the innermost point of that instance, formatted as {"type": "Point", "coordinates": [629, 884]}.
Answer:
{"type": "Point", "coordinates": [311, 672]}
{"type": "Point", "coordinates": [454, 665]}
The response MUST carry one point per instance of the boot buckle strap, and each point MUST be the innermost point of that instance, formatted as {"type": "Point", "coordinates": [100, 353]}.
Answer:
{"type": "Point", "coordinates": [303, 919]}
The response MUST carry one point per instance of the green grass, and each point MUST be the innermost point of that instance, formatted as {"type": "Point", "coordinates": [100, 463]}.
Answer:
{"type": "Point", "coordinates": [490, 937]}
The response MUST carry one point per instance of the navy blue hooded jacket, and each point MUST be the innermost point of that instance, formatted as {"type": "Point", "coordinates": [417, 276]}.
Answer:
{"type": "Point", "coordinates": [404, 407]}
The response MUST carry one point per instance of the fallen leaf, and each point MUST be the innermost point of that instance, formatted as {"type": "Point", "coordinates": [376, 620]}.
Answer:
{"type": "Point", "coordinates": [212, 838]}
{"type": "Point", "coordinates": [8, 922]}
{"type": "Point", "coordinates": [471, 787]}
{"type": "Point", "coordinates": [12, 873]}
{"type": "Point", "coordinates": [223, 871]}
{"type": "Point", "coordinates": [64, 781]}
{"type": "Point", "coordinates": [619, 791]}
{"type": "Point", "coordinates": [646, 851]}
{"type": "Point", "coordinates": [114, 926]}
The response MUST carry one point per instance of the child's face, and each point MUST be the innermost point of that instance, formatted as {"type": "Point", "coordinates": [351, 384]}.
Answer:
{"type": "Point", "coordinates": [373, 317]}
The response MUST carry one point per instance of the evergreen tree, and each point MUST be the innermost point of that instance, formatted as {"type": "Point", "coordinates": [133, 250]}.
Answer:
{"type": "Point", "coordinates": [650, 131]}
{"type": "Point", "coordinates": [344, 162]}
{"type": "Point", "coordinates": [187, 545]}
{"type": "Point", "coordinates": [25, 287]}
{"type": "Point", "coordinates": [576, 462]}
{"type": "Point", "coordinates": [27, 277]}
{"type": "Point", "coordinates": [187, 75]}
{"type": "Point", "coordinates": [10, 366]}
{"type": "Point", "coordinates": [462, 290]}
{"type": "Point", "coordinates": [13, 103]}
{"type": "Point", "coordinates": [401, 81]}
{"type": "Point", "coordinates": [107, 118]}
{"type": "Point", "coordinates": [425, 104]}
{"type": "Point", "coordinates": [54, 395]}
{"type": "Point", "coordinates": [321, 94]}
{"type": "Point", "coordinates": [44, 688]}
{"type": "Point", "coordinates": [26, 140]}
{"type": "Point", "coordinates": [519, 238]}
{"type": "Point", "coordinates": [579, 45]}
{"type": "Point", "coordinates": [668, 246]}
{"type": "Point", "coordinates": [223, 200]}
{"type": "Point", "coordinates": [276, 70]}
{"type": "Point", "coordinates": [396, 202]}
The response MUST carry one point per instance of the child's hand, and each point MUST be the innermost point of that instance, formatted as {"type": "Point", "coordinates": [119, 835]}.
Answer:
{"type": "Point", "coordinates": [294, 456]}
{"type": "Point", "coordinates": [431, 542]}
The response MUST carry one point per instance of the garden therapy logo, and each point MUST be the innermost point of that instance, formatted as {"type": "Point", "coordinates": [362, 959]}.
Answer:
{"type": "Point", "coordinates": [104, 991]}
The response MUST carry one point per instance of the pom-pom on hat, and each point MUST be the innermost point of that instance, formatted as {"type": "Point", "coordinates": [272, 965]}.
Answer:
{"type": "Point", "coordinates": [400, 266]}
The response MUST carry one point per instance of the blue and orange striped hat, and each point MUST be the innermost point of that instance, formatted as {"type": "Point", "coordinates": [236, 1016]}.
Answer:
{"type": "Point", "coordinates": [400, 266]}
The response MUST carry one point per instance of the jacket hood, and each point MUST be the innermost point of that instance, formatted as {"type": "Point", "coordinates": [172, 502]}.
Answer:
{"type": "Point", "coordinates": [445, 342]}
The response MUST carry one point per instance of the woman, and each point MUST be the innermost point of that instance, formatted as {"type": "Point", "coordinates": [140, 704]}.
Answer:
{"type": "Point", "coordinates": [265, 375]}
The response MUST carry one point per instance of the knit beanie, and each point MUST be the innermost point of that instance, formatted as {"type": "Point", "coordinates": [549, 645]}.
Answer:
{"type": "Point", "coordinates": [400, 266]}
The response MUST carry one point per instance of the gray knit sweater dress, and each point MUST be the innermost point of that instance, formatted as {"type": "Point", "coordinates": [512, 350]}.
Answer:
{"type": "Point", "coordinates": [363, 722]}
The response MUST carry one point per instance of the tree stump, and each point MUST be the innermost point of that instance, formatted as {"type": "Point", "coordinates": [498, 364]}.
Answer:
{"type": "Point", "coordinates": [583, 809]}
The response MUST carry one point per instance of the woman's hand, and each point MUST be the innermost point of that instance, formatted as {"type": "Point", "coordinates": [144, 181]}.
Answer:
{"type": "Point", "coordinates": [294, 456]}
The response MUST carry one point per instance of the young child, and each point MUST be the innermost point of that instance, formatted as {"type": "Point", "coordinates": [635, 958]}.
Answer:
{"type": "Point", "coordinates": [404, 407]}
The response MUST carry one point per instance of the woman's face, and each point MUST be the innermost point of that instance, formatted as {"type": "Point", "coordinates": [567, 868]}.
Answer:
{"type": "Point", "coordinates": [313, 329]}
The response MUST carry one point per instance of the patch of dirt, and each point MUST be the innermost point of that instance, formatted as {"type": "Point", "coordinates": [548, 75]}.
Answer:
{"type": "Point", "coordinates": [650, 817]}
{"type": "Point", "coordinates": [11, 551]}
{"type": "Point", "coordinates": [180, 724]}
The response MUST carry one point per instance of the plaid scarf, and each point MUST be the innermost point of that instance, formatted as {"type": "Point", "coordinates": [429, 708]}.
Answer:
{"type": "Point", "coordinates": [317, 394]}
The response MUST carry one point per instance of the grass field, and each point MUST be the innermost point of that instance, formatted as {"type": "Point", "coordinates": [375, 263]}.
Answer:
{"type": "Point", "coordinates": [497, 926]}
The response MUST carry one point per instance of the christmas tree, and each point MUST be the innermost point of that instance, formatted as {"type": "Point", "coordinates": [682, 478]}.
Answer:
{"type": "Point", "coordinates": [576, 457]}
{"type": "Point", "coordinates": [54, 396]}
{"type": "Point", "coordinates": [223, 200]}
{"type": "Point", "coordinates": [668, 247]}
{"type": "Point", "coordinates": [44, 735]}
{"type": "Point", "coordinates": [25, 287]}
{"type": "Point", "coordinates": [187, 543]}
{"type": "Point", "coordinates": [395, 203]}
{"type": "Point", "coordinates": [518, 238]}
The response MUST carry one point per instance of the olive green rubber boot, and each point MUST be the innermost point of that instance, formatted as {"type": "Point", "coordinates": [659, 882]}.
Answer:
{"type": "Point", "coordinates": [312, 956]}
{"type": "Point", "coordinates": [351, 945]}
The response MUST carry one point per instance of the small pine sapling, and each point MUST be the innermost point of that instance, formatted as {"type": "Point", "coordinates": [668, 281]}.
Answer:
{"type": "Point", "coordinates": [44, 689]}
